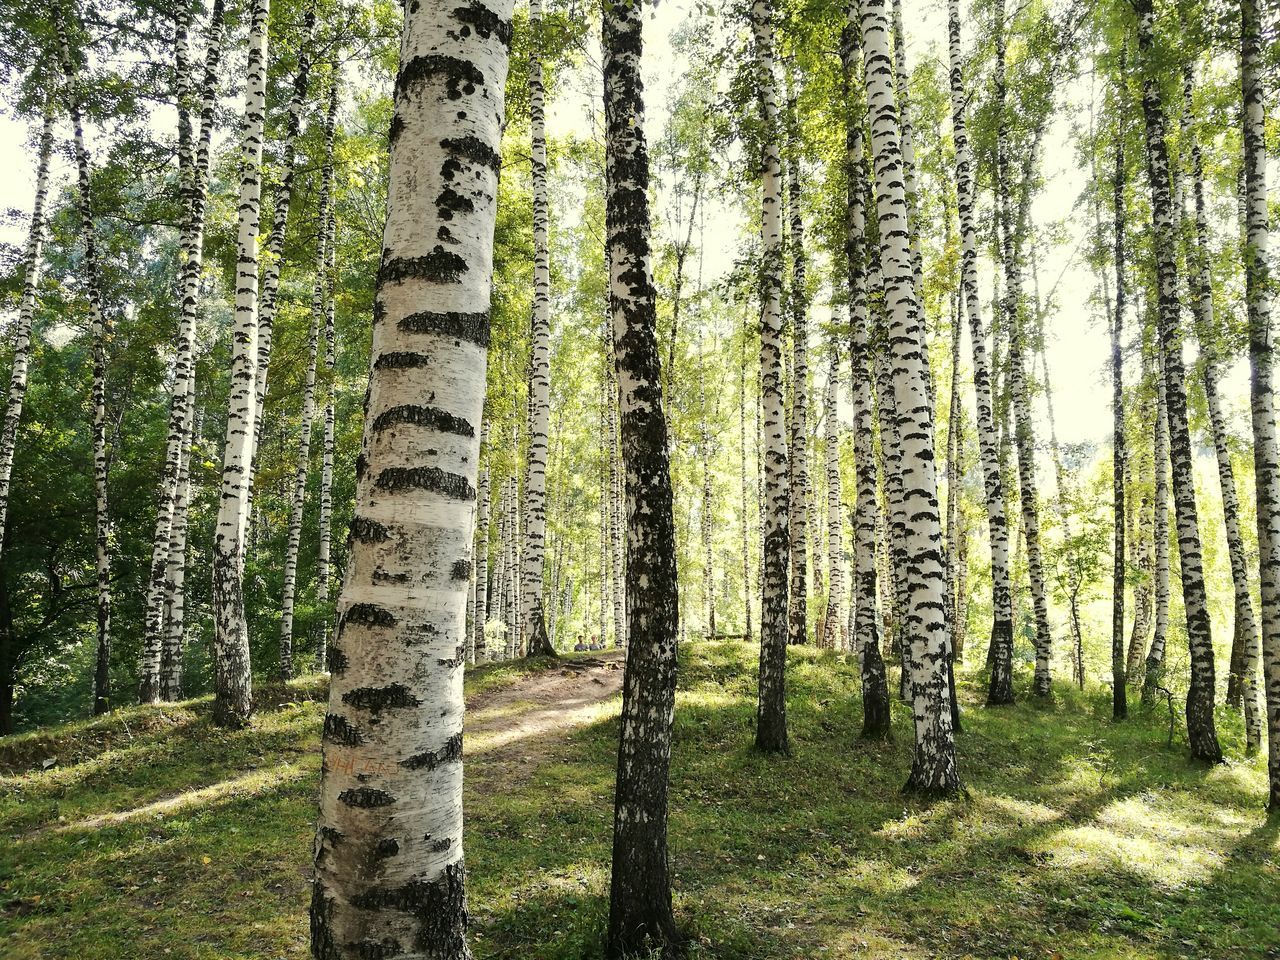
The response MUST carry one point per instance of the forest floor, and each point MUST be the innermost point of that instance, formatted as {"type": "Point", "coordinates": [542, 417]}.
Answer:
{"type": "Point", "coordinates": [152, 834]}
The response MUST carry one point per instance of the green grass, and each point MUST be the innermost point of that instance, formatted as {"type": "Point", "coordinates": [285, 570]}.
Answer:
{"type": "Point", "coordinates": [1080, 838]}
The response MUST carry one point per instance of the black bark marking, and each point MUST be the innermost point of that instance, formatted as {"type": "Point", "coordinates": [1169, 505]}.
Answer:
{"type": "Point", "coordinates": [430, 759]}
{"type": "Point", "coordinates": [472, 327]}
{"type": "Point", "coordinates": [484, 21]}
{"type": "Point", "coordinates": [401, 360]}
{"type": "Point", "coordinates": [337, 661]}
{"type": "Point", "coordinates": [377, 699]}
{"type": "Point", "coordinates": [370, 615]}
{"type": "Point", "coordinates": [460, 76]}
{"type": "Point", "coordinates": [369, 531]}
{"type": "Point", "coordinates": [338, 729]}
{"type": "Point", "coordinates": [432, 417]}
{"type": "Point", "coordinates": [439, 266]}
{"type": "Point", "coordinates": [461, 570]}
{"type": "Point", "coordinates": [366, 798]}
{"type": "Point", "coordinates": [474, 150]}
{"type": "Point", "coordinates": [426, 478]}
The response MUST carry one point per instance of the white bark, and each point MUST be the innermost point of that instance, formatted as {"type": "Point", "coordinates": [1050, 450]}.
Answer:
{"type": "Point", "coordinates": [232, 679]}
{"type": "Point", "coordinates": [389, 872]}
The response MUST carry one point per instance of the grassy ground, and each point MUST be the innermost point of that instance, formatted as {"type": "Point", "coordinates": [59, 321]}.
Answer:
{"type": "Point", "coordinates": [156, 835]}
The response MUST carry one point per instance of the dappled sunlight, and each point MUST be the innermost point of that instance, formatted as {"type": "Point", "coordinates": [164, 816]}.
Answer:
{"type": "Point", "coordinates": [249, 784]}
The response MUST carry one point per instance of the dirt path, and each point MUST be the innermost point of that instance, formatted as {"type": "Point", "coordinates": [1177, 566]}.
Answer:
{"type": "Point", "coordinates": [515, 728]}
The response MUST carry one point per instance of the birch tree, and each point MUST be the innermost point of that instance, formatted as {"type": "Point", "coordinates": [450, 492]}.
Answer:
{"type": "Point", "coordinates": [533, 620]}
{"type": "Point", "coordinates": [319, 309]}
{"type": "Point", "coordinates": [640, 912]}
{"type": "Point", "coordinates": [1119, 677]}
{"type": "Point", "coordinates": [32, 263]}
{"type": "Point", "coordinates": [1262, 402]}
{"type": "Point", "coordinates": [1000, 689]}
{"type": "Point", "coordinates": [1201, 729]}
{"type": "Point", "coordinates": [391, 781]}
{"type": "Point", "coordinates": [233, 702]}
{"type": "Point", "coordinates": [934, 769]}
{"type": "Point", "coordinates": [771, 710]}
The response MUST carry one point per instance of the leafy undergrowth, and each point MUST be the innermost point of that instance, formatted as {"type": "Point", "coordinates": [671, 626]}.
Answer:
{"type": "Point", "coordinates": [157, 835]}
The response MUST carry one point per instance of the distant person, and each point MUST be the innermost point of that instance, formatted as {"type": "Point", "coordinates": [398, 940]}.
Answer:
{"type": "Point", "coordinates": [579, 647]}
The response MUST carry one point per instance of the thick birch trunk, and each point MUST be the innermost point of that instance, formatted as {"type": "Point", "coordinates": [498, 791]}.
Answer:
{"type": "Point", "coordinates": [232, 678]}
{"type": "Point", "coordinates": [389, 874]}
{"type": "Point", "coordinates": [1262, 402]}
{"type": "Point", "coordinates": [1201, 730]}
{"type": "Point", "coordinates": [771, 712]}
{"type": "Point", "coordinates": [934, 769]}
{"type": "Point", "coordinates": [640, 913]}
{"type": "Point", "coordinates": [1000, 690]}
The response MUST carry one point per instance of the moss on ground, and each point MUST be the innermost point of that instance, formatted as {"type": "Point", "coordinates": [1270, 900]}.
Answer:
{"type": "Point", "coordinates": [157, 835]}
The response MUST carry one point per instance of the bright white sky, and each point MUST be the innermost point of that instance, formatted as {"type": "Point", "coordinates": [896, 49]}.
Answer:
{"type": "Point", "coordinates": [1078, 349]}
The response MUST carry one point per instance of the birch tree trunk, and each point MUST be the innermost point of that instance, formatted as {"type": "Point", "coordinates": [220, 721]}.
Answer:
{"type": "Point", "coordinates": [1153, 675]}
{"type": "Point", "coordinates": [798, 505]}
{"type": "Point", "coordinates": [617, 516]}
{"type": "Point", "coordinates": [835, 540]}
{"type": "Point", "coordinates": [32, 264]}
{"type": "Point", "coordinates": [747, 632]}
{"type": "Point", "coordinates": [1119, 676]}
{"type": "Point", "coordinates": [99, 333]}
{"type": "Point", "coordinates": [388, 856]}
{"type": "Point", "coordinates": [319, 309]}
{"type": "Point", "coordinates": [1201, 731]}
{"type": "Point", "coordinates": [480, 616]}
{"type": "Point", "coordinates": [193, 164]}
{"type": "Point", "coordinates": [533, 620]}
{"type": "Point", "coordinates": [1000, 689]}
{"type": "Point", "coordinates": [771, 711]}
{"type": "Point", "coordinates": [232, 678]}
{"type": "Point", "coordinates": [1011, 231]}
{"type": "Point", "coordinates": [324, 562]}
{"type": "Point", "coordinates": [1261, 397]}
{"type": "Point", "coordinates": [934, 769]}
{"type": "Point", "coordinates": [1246, 626]}
{"type": "Point", "coordinates": [274, 255]}
{"type": "Point", "coordinates": [640, 913]}
{"type": "Point", "coordinates": [175, 585]}
{"type": "Point", "coordinates": [708, 556]}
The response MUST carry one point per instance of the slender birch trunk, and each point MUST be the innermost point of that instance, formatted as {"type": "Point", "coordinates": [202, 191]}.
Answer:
{"type": "Point", "coordinates": [771, 712]}
{"type": "Point", "coordinates": [934, 768]}
{"type": "Point", "coordinates": [957, 533]}
{"type": "Point", "coordinates": [1262, 402]}
{"type": "Point", "coordinates": [99, 333]}
{"type": "Point", "coordinates": [32, 264]}
{"type": "Point", "coordinates": [1201, 731]}
{"type": "Point", "coordinates": [640, 913]}
{"type": "Point", "coordinates": [324, 562]}
{"type": "Point", "coordinates": [1000, 690]}
{"type": "Point", "coordinates": [175, 585]}
{"type": "Point", "coordinates": [232, 678]}
{"type": "Point", "coordinates": [617, 516]}
{"type": "Point", "coordinates": [388, 855]}
{"type": "Point", "coordinates": [835, 541]}
{"type": "Point", "coordinates": [193, 164]}
{"type": "Point", "coordinates": [1154, 673]}
{"type": "Point", "coordinates": [1011, 231]}
{"type": "Point", "coordinates": [273, 257]}
{"type": "Point", "coordinates": [747, 632]}
{"type": "Point", "coordinates": [319, 307]}
{"type": "Point", "coordinates": [798, 505]}
{"type": "Point", "coordinates": [1119, 676]}
{"type": "Point", "coordinates": [708, 556]}
{"type": "Point", "coordinates": [480, 616]}
{"type": "Point", "coordinates": [1246, 626]}
{"type": "Point", "coordinates": [533, 620]}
